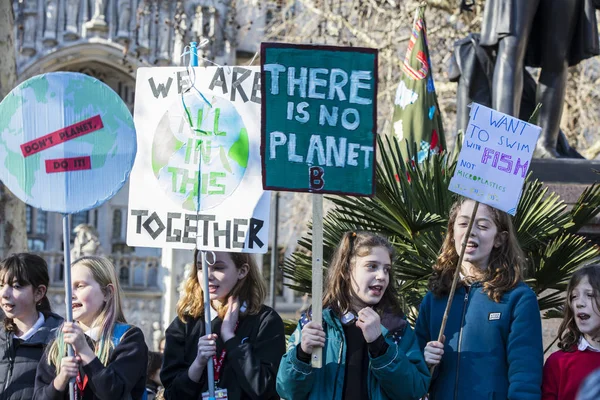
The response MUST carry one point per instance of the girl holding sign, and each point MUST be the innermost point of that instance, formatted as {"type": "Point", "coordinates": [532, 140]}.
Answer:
{"type": "Point", "coordinates": [579, 336]}
{"type": "Point", "coordinates": [110, 355]}
{"type": "Point", "coordinates": [493, 337]}
{"type": "Point", "coordinates": [249, 340]}
{"type": "Point", "coordinates": [29, 323]}
{"type": "Point", "coordinates": [370, 351]}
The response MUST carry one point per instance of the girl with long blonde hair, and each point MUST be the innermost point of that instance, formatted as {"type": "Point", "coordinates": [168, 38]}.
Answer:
{"type": "Point", "coordinates": [247, 340]}
{"type": "Point", "coordinates": [110, 355]}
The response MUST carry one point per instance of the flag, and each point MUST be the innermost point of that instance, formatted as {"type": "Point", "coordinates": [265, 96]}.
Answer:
{"type": "Point", "coordinates": [417, 116]}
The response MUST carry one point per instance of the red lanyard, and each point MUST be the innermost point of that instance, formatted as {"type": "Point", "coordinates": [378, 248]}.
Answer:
{"type": "Point", "coordinates": [81, 385]}
{"type": "Point", "coordinates": [218, 364]}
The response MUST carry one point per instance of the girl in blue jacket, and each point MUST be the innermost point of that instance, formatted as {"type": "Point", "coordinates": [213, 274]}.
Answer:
{"type": "Point", "coordinates": [493, 338]}
{"type": "Point", "coordinates": [364, 334]}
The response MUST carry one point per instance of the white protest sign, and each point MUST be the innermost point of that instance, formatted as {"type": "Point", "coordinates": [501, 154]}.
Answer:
{"type": "Point", "coordinates": [494, 159]}
{"type": "Point", "coordinates": [197, 180]}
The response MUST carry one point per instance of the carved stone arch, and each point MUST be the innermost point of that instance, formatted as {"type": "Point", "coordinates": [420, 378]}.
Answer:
{"type": "Point", "coordinates": [104, 61]}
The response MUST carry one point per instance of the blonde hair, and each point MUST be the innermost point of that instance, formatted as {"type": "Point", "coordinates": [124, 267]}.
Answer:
{"type": "Point", "coordinates": [338, 292]}
{"type": "Point", "coordinates": [103, 272]}
{"type": "Point", "coordinates": [250, 289]}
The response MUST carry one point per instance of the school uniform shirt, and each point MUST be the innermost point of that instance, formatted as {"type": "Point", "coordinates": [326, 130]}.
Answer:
{"type": "Point", "coordinates": [19, 357]}
{"type": "Point", "coordinates": [565, 372]}
{"type": "Point", "coordinates": [493, 350]}
{"type": "Point", "coordinates": [250, 364]}
{"type": "Point", "coordinates": [124, 376]}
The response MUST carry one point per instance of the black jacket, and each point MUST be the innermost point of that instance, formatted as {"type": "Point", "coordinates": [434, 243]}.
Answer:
{"type": "Point", "coordinates": [19, 359]}
{"type": "Point", "coordinates": [124, 375]}
{"type": "Point", "coordinates": [250, 367]}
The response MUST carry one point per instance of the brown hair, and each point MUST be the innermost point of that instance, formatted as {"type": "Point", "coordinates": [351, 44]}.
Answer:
{"type": "Point", "coordinates": [251, 289]}
{"type": "Point", "coordinates": [568, 334]}
{"type": "Point", "coordinates": [27, 269]}
{"type": "Point", "coordinates": [504, 269]}
{"type": "Point", "coordinates": [338, 290]}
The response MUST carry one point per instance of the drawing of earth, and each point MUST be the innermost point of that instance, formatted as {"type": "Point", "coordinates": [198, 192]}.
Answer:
{"type": "Point", "coordinates": [200, 151]}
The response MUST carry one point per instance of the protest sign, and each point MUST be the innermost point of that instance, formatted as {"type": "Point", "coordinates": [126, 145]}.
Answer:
{"type": "Point", "coordinates": [319, 118]}
{"type": "Point", "coordinates": [494, 159]}
{"type": "Point", "coordinates": [196, 180]}
{"type": "Point", "coordinates": [67, 142]}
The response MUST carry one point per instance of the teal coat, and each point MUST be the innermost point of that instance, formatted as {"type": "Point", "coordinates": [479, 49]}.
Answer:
{"type": "Point", "coordinates": [399, 374]}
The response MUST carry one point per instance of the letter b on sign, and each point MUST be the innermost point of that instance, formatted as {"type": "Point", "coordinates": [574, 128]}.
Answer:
{"type": "Point", "coordinates": [316, 178]}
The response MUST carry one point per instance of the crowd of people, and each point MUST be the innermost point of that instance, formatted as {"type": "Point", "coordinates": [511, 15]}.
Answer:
{"type": "Point", "coordinates": [491, 347]}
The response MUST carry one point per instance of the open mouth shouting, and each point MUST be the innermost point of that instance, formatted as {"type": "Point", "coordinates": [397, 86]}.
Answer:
{"type": "Point", "coordinates": [376, 290]}
{"type": "Point", "coordinates": [75, 306]}
{"type": "Point", "coordinates": [8, 307]}
{"type": "Point", "coordinates": [583, 316]}
{"type": "Point", "coordinates": [212, 288]}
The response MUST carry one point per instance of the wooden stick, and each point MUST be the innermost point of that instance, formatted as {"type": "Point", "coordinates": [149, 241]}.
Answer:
{"type": "Point", "coordinates": [317, 272]}
{"type": "Point", "coordinates": [456, 275]}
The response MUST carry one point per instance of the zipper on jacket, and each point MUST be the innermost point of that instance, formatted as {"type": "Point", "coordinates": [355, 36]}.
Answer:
{"type": "Point", "coordinates": [462, 321]}
{"type": "Point", "coordinates": [337, 371]}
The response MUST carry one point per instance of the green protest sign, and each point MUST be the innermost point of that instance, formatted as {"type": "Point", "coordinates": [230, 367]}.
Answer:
{"type": "Point", "coordinates": [319, 108]}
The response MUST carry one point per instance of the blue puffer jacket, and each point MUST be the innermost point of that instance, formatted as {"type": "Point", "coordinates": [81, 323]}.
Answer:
{"type": "Point", "coordinates": [399, 374]}
{"type": "Point", "coordinates": [493, 351]}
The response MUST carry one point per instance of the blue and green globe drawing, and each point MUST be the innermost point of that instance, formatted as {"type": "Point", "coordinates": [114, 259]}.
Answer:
{"type": "Point", "coordinates": [51, 103]}
{"type": "Point", "coordinates": [200, 151]}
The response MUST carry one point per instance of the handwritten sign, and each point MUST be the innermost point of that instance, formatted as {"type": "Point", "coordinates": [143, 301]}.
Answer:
{"type": "Point", "coordinates": [319, 118]}
{"type": "Point", "coordinates": [494, 159]}
{"type": "Point", "coordinates": [67, 142]}
{"type": "Point", "coordinates": [196, 181]}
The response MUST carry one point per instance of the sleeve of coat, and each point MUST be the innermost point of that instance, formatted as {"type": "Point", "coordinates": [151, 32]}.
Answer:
{"type": "Point", "coordinates": [402, 362]}
{"type": "Point", "coordinates": [295, 378]}
{"type": "Point", "coordinates": [44, 376]}
{"type": "Point", "coordinates": [524, 348]}
{"type": "Point", "coordinates": [174, 371]}
{"type": "Point", "coordinates": [128, 365]}
{"type": "Point", "coordinates": [255, 364]}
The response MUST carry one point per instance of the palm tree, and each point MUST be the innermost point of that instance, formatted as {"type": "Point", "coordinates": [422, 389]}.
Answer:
{"type": "Point", "coordinates": [411, 207]}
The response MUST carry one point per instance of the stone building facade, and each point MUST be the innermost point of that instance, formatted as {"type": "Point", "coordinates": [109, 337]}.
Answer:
{"type": "Point", "coordinates": [110, 40]}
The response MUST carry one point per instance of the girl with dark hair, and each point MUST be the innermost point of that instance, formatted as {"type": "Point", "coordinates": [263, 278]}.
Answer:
{"type": "Point", "coordinates": [247, 340]}
{"type": "Point", "coordinates": [493, 338]}
{"type": "Point", "coordinates": [579, 338]}
{"type": "Point", "coordinates": [369, 349]}
{"type": "Point", "coordinates": [29, 323]}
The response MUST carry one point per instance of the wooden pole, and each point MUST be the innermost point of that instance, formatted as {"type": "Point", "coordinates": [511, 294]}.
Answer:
{"type": "Point", "coordinates": [456, 276]}
{"type": "Point", "coordinates": [317, 272]}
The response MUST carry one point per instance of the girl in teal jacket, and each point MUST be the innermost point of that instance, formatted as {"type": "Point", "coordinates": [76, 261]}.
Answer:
{"type": "Point", "coordinates": [493, 340]}
{"type": "Point", "coordinates": [369, 350]}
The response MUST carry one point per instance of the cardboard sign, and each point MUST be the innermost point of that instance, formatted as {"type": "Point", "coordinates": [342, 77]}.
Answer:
{"type": "Point", "coordinates": [495, 158]}
{"type": "Point", "coordinates": [67, 142]}
{"type": "Point", "coordinates": [319, 118]}
{"type": "Point", "coordinates": [196, 180]}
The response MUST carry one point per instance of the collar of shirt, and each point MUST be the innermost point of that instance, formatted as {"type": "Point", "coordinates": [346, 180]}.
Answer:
{"type": "Point", "coordinates": [94, 333]}
{"type": "Point", "coordinates": [38, 324]}
{"type": "Point", "coordinates": [585, 345]}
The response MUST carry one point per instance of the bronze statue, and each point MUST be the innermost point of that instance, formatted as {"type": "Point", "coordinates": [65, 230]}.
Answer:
{"type": "Point", "coordinates": [549, 34]}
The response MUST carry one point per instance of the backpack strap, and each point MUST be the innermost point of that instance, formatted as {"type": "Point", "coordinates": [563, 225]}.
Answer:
{"type": "Point", "coordinates": [118, 332]}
